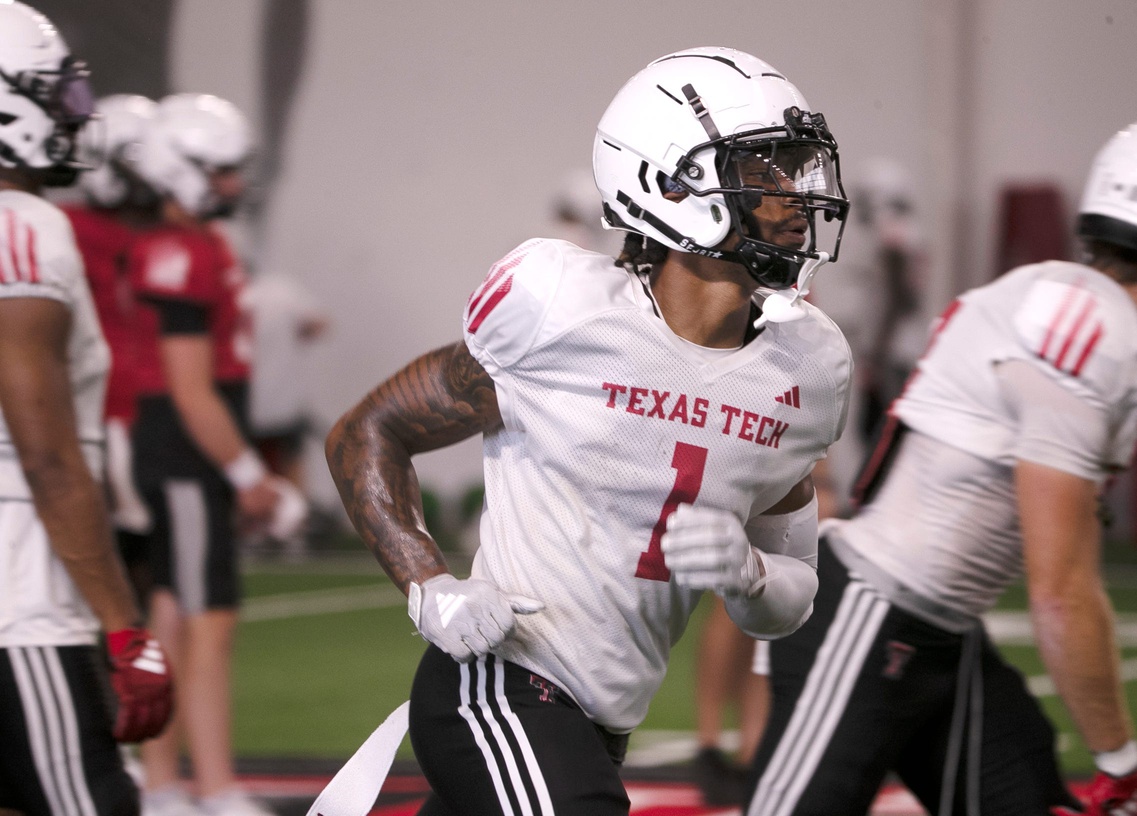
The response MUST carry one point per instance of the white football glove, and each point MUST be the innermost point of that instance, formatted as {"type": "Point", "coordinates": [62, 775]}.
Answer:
{"type": "Point", "coordinates": [468, 618]}
{"type": "Point", "coordinates": [707, 548]}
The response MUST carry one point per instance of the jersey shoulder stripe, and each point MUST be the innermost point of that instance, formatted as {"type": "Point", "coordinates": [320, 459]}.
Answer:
{"type": "Point", "coordinates": [504, 314]}
{"type": "Point", "coordinates": [498, 283]}
{"type": "Point", "coordinates": [1072, 320]}
{"type": "Point", "coordinates": [18, 257]}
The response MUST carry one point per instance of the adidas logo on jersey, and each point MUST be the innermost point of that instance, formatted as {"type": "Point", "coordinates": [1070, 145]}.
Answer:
{"type": "Point", "coordinates": [791, 398]}
{"type": "Point", "coordinates": [448, 606]}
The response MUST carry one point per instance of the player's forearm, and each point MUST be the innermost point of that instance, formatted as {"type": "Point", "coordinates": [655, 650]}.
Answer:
{"type": "Point", "coordinates": [1072, 615]}
{"type": "Point", "coordinates": [439, 399]}
{"type": "Point", "coordinates": [782, 605]}
{"type": "Point", "coordinates": [210, 424]}
{"type": "Point", "coordinates": [1075, 633]}
{"type": "Point", "coordinates": [70, 504]}
{"type": "Point", "coordinates": [377, 483]}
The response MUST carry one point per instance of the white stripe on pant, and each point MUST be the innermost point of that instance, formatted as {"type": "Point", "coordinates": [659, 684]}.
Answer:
{"type": "Point", "coordinates": [497, 735]}
{"type": "Point", "coordinates": [53, 730]}
{"type": "Point", "coordinates": [830, 682]}
{"type": "Point", "coordinates": [189, 541]}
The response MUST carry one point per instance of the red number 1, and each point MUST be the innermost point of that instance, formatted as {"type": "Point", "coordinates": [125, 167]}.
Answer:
{"type": "Point", "coordinates": [689, 462]}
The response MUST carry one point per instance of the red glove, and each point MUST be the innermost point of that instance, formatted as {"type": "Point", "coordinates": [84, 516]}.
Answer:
{"type": "Point", "coordinates": [140, 674]}
{"type": "Point", "coordinates": [1107, 796]}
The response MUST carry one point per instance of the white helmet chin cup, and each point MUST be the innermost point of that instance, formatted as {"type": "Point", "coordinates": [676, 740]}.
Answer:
{"type": "Point", "coordinates": [190, 136]}
{"type": "Point", "coordinates": [1108, 211]}
{"type": "Point", "coordinates": [681, 123]}
{"type": "Point", "coordinates": [110, 145]}
{"type": "Point", "coordinates": [44, 95]}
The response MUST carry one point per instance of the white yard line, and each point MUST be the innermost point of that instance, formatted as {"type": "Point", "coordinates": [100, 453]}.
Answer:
{"type": "Point", "coordinates": [320, 602]}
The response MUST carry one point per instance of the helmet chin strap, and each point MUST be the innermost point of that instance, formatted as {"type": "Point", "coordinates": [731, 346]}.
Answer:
{"type": "Point", "coordinates": [780, 307]}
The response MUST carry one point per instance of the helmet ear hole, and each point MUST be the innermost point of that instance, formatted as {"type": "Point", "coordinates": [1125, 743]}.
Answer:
{"type": "Point", "coordinates": [672, 190]}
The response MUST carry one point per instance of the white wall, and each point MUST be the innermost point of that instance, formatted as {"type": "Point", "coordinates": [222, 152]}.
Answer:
{"type": "Point", "coordinates": [430, 136]}
{"type": "Point", "coordinates": [1054, 81]}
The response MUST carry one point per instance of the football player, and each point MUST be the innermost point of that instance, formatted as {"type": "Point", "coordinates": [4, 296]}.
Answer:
{"type": "Point", "coordinates": [1022, 405]}
{"type": "Point", "coordinates": [116, 205]}
{"type": "Point", "coordinates": [649, 428]}
{"type": "Point", "coordinates": [194, 464]}
{"type": "Point", "coordinates": [60, 578]}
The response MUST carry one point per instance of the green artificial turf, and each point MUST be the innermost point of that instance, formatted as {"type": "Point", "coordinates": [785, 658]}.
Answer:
{"type": "Point", "coordinates": [315, 685]}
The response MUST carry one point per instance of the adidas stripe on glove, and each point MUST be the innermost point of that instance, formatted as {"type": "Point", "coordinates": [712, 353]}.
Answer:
{"type": "Point", "coordinates": [140, 676]}
{"type": "Point", "coordinates": [466, 619]}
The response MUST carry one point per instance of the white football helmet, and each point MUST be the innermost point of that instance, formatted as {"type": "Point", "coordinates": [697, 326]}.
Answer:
{"type": "Point", "coordinates": [190, 137]}
{"type": "Point", "coordinates": [686, 123]}
{"type": "Point", "coordinates": [1109, 205]}
{"type": "Point", "coordinates": [44, 95]}
{"type": "Point", "coordinates": [111, 145]}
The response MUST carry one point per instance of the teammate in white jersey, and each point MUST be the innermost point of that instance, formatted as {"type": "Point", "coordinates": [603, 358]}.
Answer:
{"type": "Point", "coordinates": [60, 578]}
{"type": "Point", "coordinates": [644, 441]}
{"type": "Point", "coordinates": [1023, 404]}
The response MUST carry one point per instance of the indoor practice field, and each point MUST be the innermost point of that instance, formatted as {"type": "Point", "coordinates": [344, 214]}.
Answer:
{"type": "Point", "coordinates": [326, 651]}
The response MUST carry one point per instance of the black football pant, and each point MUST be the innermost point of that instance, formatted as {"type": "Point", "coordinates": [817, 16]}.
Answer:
{"type": "Point", "coordinates": [57, 754]}
{"type": "Point", "coordinates": [493, 738]}
{"type": "Point", "coordinates": [864, 688]}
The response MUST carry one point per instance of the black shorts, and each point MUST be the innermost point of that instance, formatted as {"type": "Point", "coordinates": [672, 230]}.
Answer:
{"type": "Point", "coordinates": [57, 754]}
{"type": "Point", "coordinates": [864, 689]}
{"type": "Point", "coordinates": [193, 544]}
{"type": "Point", "coordinates": [490, 734]}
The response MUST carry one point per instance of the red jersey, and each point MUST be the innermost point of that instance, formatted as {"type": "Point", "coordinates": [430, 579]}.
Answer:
{"type": "Point", "coordinates": [103, 242]}
{"type": "Point", "coordinates": [194, 266]}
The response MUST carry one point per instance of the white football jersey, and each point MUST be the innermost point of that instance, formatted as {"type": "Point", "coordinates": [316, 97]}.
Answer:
{"type": "Point", "coordinates": [610, 421]}
{"type": "Point", "coordinates": [962, 546]}
{"type": "Point", "coordinates": [39, 604]}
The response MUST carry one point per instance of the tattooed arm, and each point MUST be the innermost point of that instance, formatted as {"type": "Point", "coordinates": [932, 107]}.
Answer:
{"type": "Point", "coordinates": [439, 399]}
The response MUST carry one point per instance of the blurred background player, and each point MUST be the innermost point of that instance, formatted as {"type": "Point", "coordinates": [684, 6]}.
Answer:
{"type": "Point", "coordinates": [60, 578]}
{"type": "Point", "coordinates": [577, 215]}
{"type": "Point", "coordinates": [194, 463]}
{"type": "Point", "coordinates": [727, 677]}
{"type": "Point", "coordinates": [1022, 405]}
{"type": "Point", "coordinates": [116, 204]}
{"type": "Point", "coordinates": [287, 321]}
{"type": "Point", "coordinates": [875, 296]}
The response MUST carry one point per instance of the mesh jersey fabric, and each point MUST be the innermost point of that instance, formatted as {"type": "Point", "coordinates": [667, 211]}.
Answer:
{"type": "Point", "coordinates": [610, 420]}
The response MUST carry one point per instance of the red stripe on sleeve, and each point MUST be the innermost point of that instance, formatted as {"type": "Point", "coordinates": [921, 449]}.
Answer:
{"type": "Point", "coordinates": [5, 274]}
{"type": "Point", "coordinates": [1080, 321]}
{"type": "Point", "coordinates": [1099, 330]}
{"type": "Point", "coordinates": [491, 304]}
{"type": "Point", "coordinates": [33, 269]}
{"type": "Point", "coordinates": [494, 277]}
{"type": "Point", "coordinates": [12, 254]}
{"type": "Point", "coordinates": [1056, 321]}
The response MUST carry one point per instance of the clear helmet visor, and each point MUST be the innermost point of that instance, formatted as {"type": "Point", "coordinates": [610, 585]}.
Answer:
{"type": "Point", "coordinates": [74, 99]}
{"type": "Point", "coordinates": [786, 194]}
